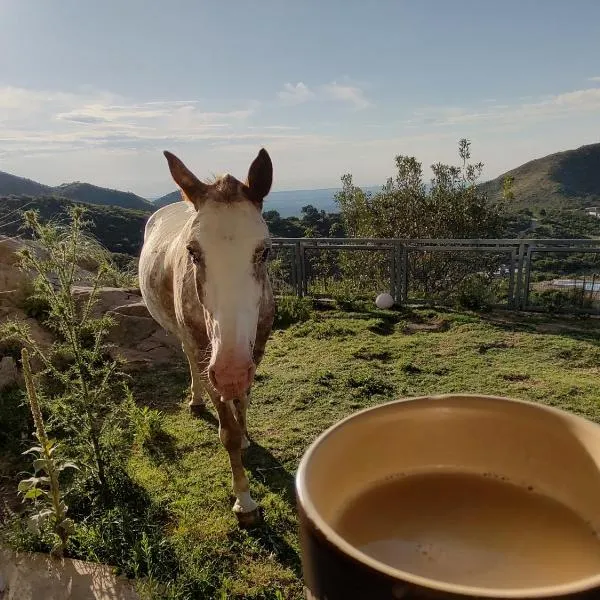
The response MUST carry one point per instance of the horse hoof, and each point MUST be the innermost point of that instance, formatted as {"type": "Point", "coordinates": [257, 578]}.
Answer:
{"type": "Point", "coordinates": [196, 410]}
{"type": "Point", "coordinates": [248, 520]}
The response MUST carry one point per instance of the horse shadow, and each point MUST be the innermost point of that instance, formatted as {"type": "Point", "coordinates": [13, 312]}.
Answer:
{"type": "Point", "coordinates": [263, 465]}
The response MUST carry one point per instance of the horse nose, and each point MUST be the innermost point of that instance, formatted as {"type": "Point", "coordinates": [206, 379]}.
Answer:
{"type": "Point", "coordinates": [232, 379]}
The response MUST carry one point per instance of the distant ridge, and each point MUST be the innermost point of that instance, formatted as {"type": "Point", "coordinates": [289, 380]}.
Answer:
{"type": "Point", "coordinates": [569, 179]}
{"type": "Point", "coordinates": [76, 191]}
{"type": "Point", "coordinates": [287, 203]}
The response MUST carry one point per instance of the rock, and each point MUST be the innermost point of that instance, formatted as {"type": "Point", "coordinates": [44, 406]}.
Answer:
{"type": "Point", "coordinates": [34, 576]}
{"type": "Point", "coordinates": [108, 297]}
{"type": "Point", "coordinates": [135, 309]}
{"type": "Point", "coordinates": [9, 374]}
{"type": "Point", "coordinates": [13, 281]}
{"type": "Point", "coordinates": [130, 330]}
{"type": "Point", "coordinates": [136, 336]}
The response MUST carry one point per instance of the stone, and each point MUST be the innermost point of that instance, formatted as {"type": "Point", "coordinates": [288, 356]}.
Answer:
{"type": "Point", "coordinates": [35, 576]}
{"type": "Point", "coordinates": [13, 281]}
{"type": "Point", "coordinates": [9, 374]}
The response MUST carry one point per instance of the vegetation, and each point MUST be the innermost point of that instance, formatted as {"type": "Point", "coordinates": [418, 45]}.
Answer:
{"type": "Point", "coordinates": [452, 206]}
{"type": "Point", "coordinates": [171, 524]}
{"type": "Point", "coordinates": [119, 230]}
{"type": "Point", "coordinates": [152, 493]}
{"type": "Point", "coordinates": [566, 224]}
{"type": "Point", "coordinates": [80, 380]}
{"type": "Point", "coordinates": [45, 489]}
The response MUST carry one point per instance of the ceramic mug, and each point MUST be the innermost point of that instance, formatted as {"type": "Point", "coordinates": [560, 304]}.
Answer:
{"type": "Point", "coordinates": [556, 452]}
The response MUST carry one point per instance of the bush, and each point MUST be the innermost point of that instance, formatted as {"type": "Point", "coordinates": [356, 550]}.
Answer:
{"type": "Point", "coordinates": [290, 310]}
{"type": "Point", "coordinates": [561, 300]}
{"type": "Point", "coordinates": [474, 293]}
{"type": "Point", "coordinates": [80, 384]}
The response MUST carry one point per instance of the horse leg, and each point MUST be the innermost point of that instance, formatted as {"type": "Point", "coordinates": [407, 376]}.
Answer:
{"type": "Point", "coordinates": [196, 403]}
{"type": "Point", "coordinates": [230, 434]}
{"type": "Point", "coordinates": [241, 407]}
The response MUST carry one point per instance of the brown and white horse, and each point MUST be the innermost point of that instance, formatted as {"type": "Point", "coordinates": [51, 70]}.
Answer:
{"type": "Point", "coordinates": [204, 278]}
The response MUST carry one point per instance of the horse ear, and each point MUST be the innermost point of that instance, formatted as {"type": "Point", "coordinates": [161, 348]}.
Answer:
{"type": "Point", "coordinates": [260, 176]}
{"type": "Point", "coordinates": [194, 190]}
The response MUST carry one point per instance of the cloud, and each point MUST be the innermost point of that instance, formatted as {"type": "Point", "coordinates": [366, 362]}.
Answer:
{"type": "Point", "coordinates": [346, 93]}
{"type": "Point", "coordinates": [557, 106]}
{"type": "Point", "coordinates": [597, 78]}
{"type": "Point", "coordinates": [299, 93]}
{"type": "Point", "coordinates": [36, 122]}
{"type": "Point", "coordinates": [295, 94]}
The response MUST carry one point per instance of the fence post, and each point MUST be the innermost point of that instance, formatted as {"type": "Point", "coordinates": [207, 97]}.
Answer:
{"type": "Point", "coordinates": [530, 250]}
{"type": "Point", "coordinates": [404, 274]}
{"type": "Point", "coordinates": [519, 293]}
{"type": "Point", "coordinates": [393, 280]}
{"type": "Point", "coordinates": [297, 270]}
{"type": "Point", "coordinates": [511, 280]}
{"type": "Point", "coordinates": [303, 282]}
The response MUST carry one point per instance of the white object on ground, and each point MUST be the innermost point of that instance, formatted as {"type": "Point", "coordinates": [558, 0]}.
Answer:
{"type": "Point", "coordinates": [384, 300]}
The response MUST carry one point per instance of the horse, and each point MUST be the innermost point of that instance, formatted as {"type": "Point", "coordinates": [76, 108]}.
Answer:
{"type": "Point", "coordinates": [203, 276]}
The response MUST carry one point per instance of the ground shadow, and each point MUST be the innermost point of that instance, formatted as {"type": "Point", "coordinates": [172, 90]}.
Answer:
{"type": "Point", "coordinates": [584, 329]}
{"type": "Point", "coordinates": [274, 543]}
{"type": "Point", "coordinates": [207, 416]}
{"type": "Point", "coordinates": [270, 471]}
{"type": "Point", "coordinates": [161, 389]}
{"type": "Point", "coordinates": [163, 447]}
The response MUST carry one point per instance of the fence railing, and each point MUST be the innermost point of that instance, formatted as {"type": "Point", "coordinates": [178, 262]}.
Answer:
{"type": "Point", "coordinates": [523, 274]}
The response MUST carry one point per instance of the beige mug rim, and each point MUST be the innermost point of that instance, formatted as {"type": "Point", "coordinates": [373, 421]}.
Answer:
{"type": "Point", "coordinates": [333, 538]}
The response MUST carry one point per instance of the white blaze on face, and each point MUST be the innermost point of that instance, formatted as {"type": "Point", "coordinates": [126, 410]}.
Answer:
{"type": "Point", "coordinates": [229, 235]}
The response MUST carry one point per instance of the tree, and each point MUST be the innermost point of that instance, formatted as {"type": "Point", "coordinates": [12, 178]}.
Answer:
{"type": "Point", "coordinates": [452, 206]}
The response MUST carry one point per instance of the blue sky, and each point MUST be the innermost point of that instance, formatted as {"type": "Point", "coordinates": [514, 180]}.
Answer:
{"type": "Point", "coordinates": [95, 90]}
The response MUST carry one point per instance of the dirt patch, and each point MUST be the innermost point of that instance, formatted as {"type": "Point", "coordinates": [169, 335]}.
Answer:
{"type": "Point", "coordinates": [485, 347]}
{"type": "Point", "coordinates": [515, 376]}
{"type": "Point", "coordinates": [436, 326]}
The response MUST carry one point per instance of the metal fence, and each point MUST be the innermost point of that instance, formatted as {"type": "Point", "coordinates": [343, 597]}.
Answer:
{"type": "Point", "coordinates": [521, 274]}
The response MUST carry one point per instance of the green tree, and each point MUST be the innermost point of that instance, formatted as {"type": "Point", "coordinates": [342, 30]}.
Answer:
{"type": "Point", "coordinates": [452, 206]}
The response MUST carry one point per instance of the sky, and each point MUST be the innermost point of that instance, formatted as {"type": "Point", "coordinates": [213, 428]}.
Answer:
{"type": "Point", "coordinates": [95, 91]}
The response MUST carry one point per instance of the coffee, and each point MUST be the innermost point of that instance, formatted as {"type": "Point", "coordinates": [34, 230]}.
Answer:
{"type": "Point", "coordinates": [471, 530]}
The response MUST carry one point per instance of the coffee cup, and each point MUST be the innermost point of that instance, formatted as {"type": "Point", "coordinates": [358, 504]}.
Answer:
{"type": "Point", "coordinates": [452, 497]}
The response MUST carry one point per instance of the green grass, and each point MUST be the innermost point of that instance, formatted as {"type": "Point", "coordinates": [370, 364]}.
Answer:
{"type": "Point", "coordinates": [174, 520]}
{"type": "Point", "coordinates": [315, 373]}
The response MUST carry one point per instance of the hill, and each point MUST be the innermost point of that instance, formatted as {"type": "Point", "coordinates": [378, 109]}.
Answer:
{"type": "Point", "coordinates": [118, 229]}
{"type": "Point", "coordinates": [12, 184]}
{"type": "Point", "coordinates": [569, 179]}
{"type": "Point", "coordinates": [92, 194]}
{"type": "Point", "coordinates": [76, 191]}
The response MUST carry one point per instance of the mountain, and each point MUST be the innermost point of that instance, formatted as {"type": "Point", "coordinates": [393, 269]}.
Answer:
{"type": "Point", "coordinates": [565, 180]}
{"type": "Point", "coordinates": [76, 191]}
{"type": "Point", "coordinates": [92, 194]}
{"type": "Point", "coordinates": [11, 184]}
{"type": "Point", "coordinates": [287, 203]}
{"type": "Point", "coordinates": [167, 199]}
{"type": "Point", "coordinates": [118, 229]}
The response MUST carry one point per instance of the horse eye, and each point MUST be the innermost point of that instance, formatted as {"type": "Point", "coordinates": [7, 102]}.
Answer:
{"type": "Point", "coordinates": [193, 253]}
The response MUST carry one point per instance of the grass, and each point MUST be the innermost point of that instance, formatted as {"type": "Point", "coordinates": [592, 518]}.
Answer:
{"type": "Point", "coordinates": [315, 372]}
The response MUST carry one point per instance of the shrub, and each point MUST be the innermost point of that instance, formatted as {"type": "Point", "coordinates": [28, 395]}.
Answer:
{"type": "Point", "coordinates": [474, 292]}
{"type": "Point", "coordinates": [290, 310]}
{"type": "Point", "coordinates": [80, 383]}
{"type": "Point", "coordinates": [561, 300]}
